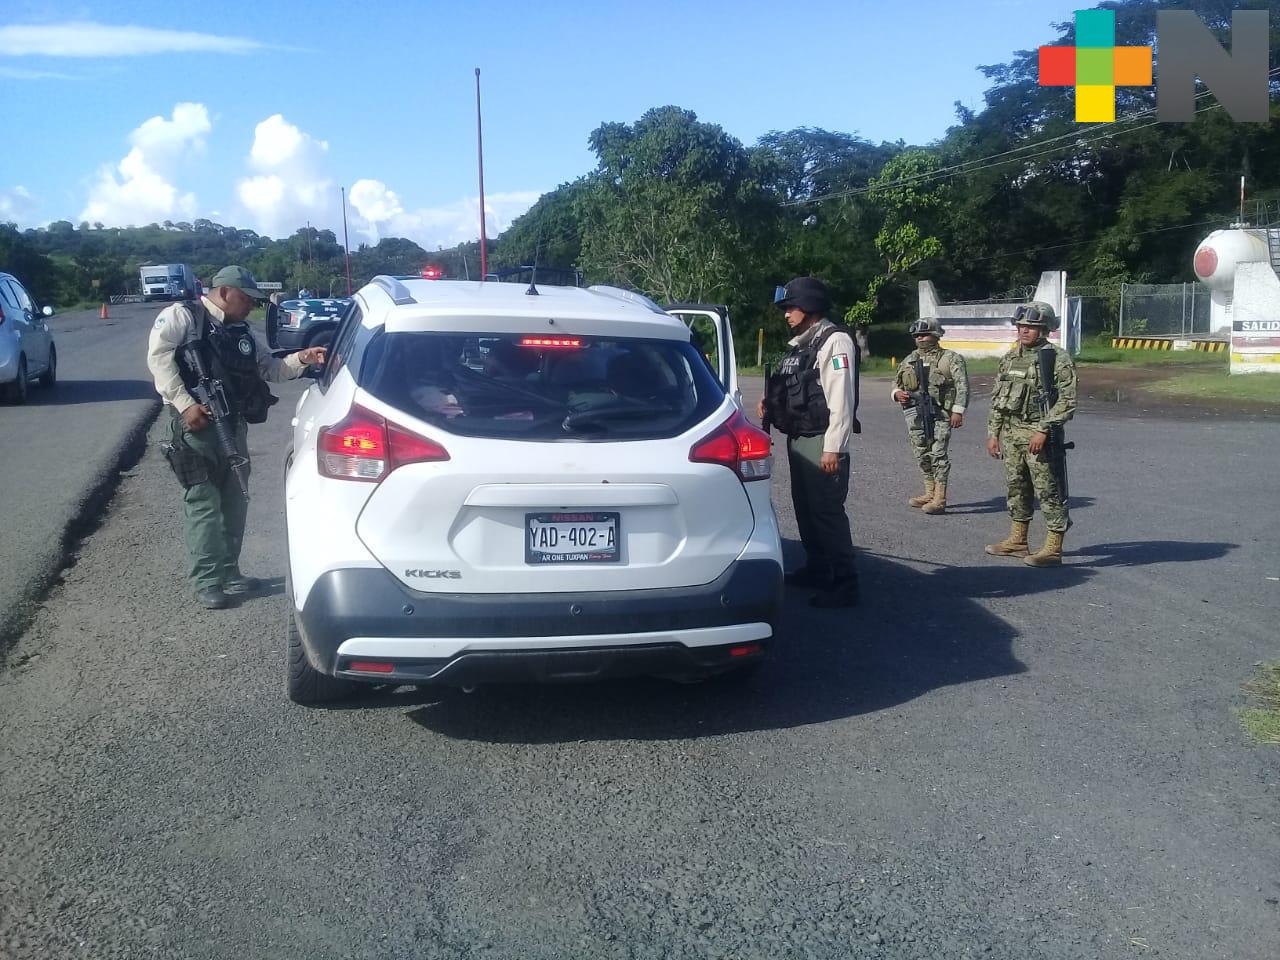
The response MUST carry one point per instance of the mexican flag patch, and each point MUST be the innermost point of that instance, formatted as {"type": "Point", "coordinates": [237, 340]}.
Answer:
{"type": "Point", "coordinates": [840, 361]}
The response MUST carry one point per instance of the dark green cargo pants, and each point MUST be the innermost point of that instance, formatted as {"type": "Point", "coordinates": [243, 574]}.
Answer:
{"type": "Point", "coordinates": [819, 504]}
{"type": "Point", "coordinates": [214, 510]}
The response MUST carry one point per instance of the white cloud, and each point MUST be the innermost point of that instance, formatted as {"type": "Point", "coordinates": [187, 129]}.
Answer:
{"type": "Point", "coordinates": [290, 185]}
{"type": "Point", "coordinates": [17, 73]}
{"type": "Point", "coordinates": [84, 38]}
{"type": "Point", "coordinates": [139, 189]}
{"type": "Point", "coordinates": [17, 205]}
{"type": "Point", "coordinates": [383, 214]}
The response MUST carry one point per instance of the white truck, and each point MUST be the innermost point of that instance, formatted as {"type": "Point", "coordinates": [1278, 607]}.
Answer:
{"type": "Point", "coordinates": [168, 281]}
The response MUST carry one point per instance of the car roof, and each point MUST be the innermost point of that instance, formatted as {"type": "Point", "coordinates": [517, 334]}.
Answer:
{"type": "Point", "coordinates": [469, 306]}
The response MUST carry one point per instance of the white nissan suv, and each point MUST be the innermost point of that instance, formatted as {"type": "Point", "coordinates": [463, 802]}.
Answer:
{"type": "Point", "coordinates": [490, 482]}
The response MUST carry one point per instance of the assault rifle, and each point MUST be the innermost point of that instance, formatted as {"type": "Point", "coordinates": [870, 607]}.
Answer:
{"type": "Point", "coordinates": [926, 409]}
{"type": "Point", "coordinates": [1056, 447]}
{"type": "Point", "coordinates": [210, 392]}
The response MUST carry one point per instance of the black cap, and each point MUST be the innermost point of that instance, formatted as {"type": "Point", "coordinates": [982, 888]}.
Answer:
{"type": "Point", "coordinates": [808, 293]}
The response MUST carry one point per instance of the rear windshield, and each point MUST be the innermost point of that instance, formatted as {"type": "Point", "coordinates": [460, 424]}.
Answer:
{"type": "Point", "coordinates": [540, 387]}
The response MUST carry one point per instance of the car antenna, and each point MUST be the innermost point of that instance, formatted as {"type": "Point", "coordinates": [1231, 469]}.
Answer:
{"type": "Point", "coordinates": [533, 276]}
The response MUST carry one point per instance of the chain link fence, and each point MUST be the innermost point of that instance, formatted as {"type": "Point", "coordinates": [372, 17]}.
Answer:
{"type": "Point", "coordinates": [1163, 310]}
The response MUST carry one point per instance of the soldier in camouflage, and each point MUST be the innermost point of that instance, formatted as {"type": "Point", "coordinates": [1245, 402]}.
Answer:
{"type": "Point", "coordinates": [949, 387]}
{"type": "Point", "coordinates": [1016, 433]}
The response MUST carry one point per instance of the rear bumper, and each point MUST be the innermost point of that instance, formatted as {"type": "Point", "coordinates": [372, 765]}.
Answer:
{"type": "Point", "coordinates": [470, 638]}
{"type": "Point", "coordinates": [288, 338]}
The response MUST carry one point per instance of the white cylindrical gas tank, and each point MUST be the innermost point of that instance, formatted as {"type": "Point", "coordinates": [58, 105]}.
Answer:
{"type": "Point", "coordinates": [1216, 258]}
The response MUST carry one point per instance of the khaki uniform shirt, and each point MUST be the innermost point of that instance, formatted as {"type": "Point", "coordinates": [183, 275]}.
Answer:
{"type": "Point", "coordinates": [175, 326]}
{"type": "Point", "coordinates": [835, 372]}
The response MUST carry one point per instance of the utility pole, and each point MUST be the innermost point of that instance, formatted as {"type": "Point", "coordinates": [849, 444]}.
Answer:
{"type": "Point", "coordinates": [346, 244]}
{"type": "Point", "coordinates": [484, 254]}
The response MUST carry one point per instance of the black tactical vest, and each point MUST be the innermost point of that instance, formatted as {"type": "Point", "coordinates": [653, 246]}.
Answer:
{"type": "Point", "coordinates": [231, 353]}
{"type": "Point", "coordinates": [793, 396]}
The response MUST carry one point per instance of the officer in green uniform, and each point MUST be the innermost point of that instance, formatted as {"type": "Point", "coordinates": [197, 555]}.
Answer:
{"type": "Point", "coordinates": [1017, 432]}
{"type": "Point", "coordinates": [948, 386]}
{"type": "Point", "coordinates": [812, 400]}
{"type": "Point", "coordinates": [214, 505]}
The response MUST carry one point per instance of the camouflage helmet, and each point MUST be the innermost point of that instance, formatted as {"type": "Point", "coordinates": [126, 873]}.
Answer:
{"type": "Point", "coordinates": [929, 325]}
{"type": "Point", "coordinates": [1037, 313]}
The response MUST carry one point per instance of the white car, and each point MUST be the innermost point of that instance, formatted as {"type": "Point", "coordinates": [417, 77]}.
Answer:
{"type": "Point", "coordinates": [488, 484]}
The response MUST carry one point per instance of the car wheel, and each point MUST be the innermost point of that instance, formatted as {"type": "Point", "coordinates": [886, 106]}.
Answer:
{"type": "Point", "coordinates": [50, 376]}
{"type": "Point", "coordinates": [304, 683]}
{"type": "Point", "coordinates": [16, 392]}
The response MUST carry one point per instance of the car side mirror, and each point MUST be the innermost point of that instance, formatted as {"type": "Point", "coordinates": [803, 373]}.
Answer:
{"type": "Point", "coordinates": [47, 311]}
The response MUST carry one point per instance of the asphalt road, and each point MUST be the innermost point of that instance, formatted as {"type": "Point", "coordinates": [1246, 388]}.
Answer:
{"type": "Point", "coordinates": [64, 447]}
{"type": "Point", "coordinates": [982, 760]}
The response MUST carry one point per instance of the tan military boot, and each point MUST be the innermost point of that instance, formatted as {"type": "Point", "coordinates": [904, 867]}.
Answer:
{"type": "Point", "coordinates": [925, 497]}
{"type": "Point", "coordinates": [1015, 544]}
{"type": "Point", "coordinates": [1050, 555]}
{"type": "Point", "coordinates": [939, 502]}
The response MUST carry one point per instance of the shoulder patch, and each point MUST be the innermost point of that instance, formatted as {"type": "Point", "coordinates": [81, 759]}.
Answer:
{"type": "Point", "coordinates": [159, 321]}
{"type": "Point", "coordinates": [840, 361]}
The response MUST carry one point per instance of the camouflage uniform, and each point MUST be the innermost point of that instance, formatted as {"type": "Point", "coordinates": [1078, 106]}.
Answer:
{"type": "Point", "coordinates": [1015, 416]}
{"type": "Point", "coordinates": [949, 387]}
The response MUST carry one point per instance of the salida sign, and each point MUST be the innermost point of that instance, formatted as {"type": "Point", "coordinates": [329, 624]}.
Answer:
{"type": "Point", "coordinates": [1095, 66]}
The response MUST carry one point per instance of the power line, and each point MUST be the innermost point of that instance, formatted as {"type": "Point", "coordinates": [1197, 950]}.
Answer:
{"type": "Point", "coordinates": [984, 163]}
{"type": "Point", "coordinates": [1077, 243]}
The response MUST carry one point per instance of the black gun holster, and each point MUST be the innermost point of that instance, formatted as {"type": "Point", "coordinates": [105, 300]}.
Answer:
{"type": "Point", "coordinates": [188, 466]}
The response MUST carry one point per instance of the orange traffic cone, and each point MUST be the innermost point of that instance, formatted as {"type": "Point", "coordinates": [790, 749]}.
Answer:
{"type": "Point", "coordinates": [102, 315]}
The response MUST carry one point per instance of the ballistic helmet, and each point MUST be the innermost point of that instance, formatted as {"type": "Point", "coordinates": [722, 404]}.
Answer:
{"type": "Point", "coordinates": [1037, 313]}
{"type": "Point", "coordinates": [807, 293]}
{"type": "Point", "coordinates": [929, 325]}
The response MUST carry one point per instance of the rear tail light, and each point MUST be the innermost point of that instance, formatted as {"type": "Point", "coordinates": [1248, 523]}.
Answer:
{"type": "Point", "coordinates": [365, 446]}
{"type": "Point", "coordinates": [738, 445]}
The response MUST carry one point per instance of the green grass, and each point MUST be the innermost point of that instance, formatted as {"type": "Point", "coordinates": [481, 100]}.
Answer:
{"type": "Point", "coordinates": [1218, 384]}
{"type": "Point", "coordinates": [1262, 722]}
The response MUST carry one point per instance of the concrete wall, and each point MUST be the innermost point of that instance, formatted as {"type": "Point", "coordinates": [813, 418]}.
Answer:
{"type": "Point", "coordinates": [986, 329]}
{"type": "Point", "coordinates": [1255, 319]}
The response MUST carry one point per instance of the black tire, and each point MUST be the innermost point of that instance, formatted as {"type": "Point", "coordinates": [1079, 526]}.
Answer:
{"type": "Point", "coordinates": [16, 392]}
{"type": "Point", "coordinates": [304, 683]}
{"type": "Point", "coordinates": [50, 376]}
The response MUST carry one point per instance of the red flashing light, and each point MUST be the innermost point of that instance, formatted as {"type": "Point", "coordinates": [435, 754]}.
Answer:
{"type": "Point", "coordinates": [552, 343]}
{"type": "Point", "coordinates": [371, 666]}
{"type": "Point", "coordinates": [433, 273]}
{"type": "Point", "coordinates": [738, 445]}
{"type": "Point", "coordinates": [364, 446]}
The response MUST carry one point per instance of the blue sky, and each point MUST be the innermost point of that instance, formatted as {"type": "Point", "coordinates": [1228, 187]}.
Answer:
{"type": "Point", "coordinates": [255, 114]}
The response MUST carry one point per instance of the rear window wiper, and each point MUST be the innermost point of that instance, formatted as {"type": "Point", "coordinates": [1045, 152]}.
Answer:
{"type": "Point", "coordinates": [596, 416]}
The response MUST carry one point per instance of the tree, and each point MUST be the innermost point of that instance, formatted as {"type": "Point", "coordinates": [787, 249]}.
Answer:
{"type": "Point", "coordinates": [671, 208]}
{"type": "Point", "coordinates": [910, 201]}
